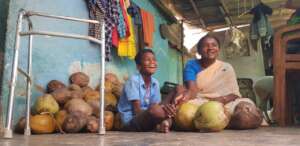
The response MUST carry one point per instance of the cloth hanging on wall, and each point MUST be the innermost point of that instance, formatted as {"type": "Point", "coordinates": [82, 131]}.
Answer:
{"type": "Point", "coordinates": [96, 12]}
{"type": "Point", "coordinates": [111, 21]}
{"type": "Point", "coordinates": [260, 27]}
{"type": "Point", "coordinates": [108, 9]}
{"type": "Point", "coordinates": [148, 27]}
{"type": "Point", "coordinates": [127, 46]}
{"type": "Point", "coordinates": [123, 27]}
{"type": "Point", "coordinates": [135, 12]}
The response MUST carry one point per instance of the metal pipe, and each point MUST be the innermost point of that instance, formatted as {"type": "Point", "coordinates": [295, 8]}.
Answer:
{"type": "Point", "coordinates": [58, 34]}
{"type": "Point", "coordinates": [31, 13]}
{"type": "Point", "coordinates": [7, 129]}
{"type": "Point", "coordinates": [27, 130]}
{"type": "Point", "coordinates": [102, 80]}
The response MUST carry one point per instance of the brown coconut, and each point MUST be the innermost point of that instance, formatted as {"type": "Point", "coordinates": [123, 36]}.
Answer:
{"type": "Point", "coordinates": [78, 105]}
{"type": "Point", "coordinates": [92, 124]}
{"type": "Point", "coordinates": [54, 85]}
{"type": "Point", "coordinates": [42, 124]}
{"type": "Point", "coordinates": [61, 95]}
{"type": "Point", "coordinates": [95, 104]}
{"type": "Point", "coordinates": [79, 78]}
{"type": "Point", "coordinates": [77, 94]}
{"type": "Point", "coordinates": [110, 100]}
{"type": "Point", "coordinates": [246, 116]}
{"type": "Point", "coordinates": [91, 95]}
{"type": "Point", "coordinates": [74, 87]}
{"type": "Point", "coordinates": [117, 122]}
{"type": "Point", "coordinates": [108, 120]}
{"type": "Point", "coordinates": [86, 89]}
{"type": "Point", "coordinates": [60, 117]}
{"type": "Point", "coordinates": [74, 122]}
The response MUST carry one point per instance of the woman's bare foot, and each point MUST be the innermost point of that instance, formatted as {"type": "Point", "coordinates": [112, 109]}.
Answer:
{"type": "Point", "coordinates": [164, 126]}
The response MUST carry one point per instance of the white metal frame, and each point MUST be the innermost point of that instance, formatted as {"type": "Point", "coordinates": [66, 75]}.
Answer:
{"type": "Point", "coordinates": [19, 33]}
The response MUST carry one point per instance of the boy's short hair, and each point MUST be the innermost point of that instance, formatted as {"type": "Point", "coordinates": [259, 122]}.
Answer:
{"type": "Point", "coordinates": [139, 55]}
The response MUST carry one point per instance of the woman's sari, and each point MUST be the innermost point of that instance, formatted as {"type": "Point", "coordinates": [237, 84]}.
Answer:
{"type": "Point", "coordinates": [217, 80]}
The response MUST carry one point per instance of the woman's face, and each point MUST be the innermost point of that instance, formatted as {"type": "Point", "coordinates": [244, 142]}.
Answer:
{"type": "Point", "coordinates": [210, 49]}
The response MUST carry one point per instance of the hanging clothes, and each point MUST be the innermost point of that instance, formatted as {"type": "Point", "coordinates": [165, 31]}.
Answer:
{"type": "Point", "coordinates": [148, 27]}
{"type": "Point", "coordinates": [260, 27]}
{"type": "Point", "coordinates": [106, 10]}
{"type": "Point", "coordinates": [135, 12]}
{"type": "Point", "coordinates": [127, 46]}
{"type": "Point", "coordinates": [96, 12]}
{"type": "Point", "coordinates": [123, 27]}
{"type": "Point", "coordinates": [111, 21]}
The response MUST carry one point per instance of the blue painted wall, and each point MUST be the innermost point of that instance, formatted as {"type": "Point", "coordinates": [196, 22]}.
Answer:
{"type": "Point", "coordinates": [3, 18]}
{"type": "Point", "coordinates": [57, 58]}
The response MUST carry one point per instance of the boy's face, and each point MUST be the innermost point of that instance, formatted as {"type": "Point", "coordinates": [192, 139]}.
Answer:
{"type": "Point", "coordinates": [148, 64]}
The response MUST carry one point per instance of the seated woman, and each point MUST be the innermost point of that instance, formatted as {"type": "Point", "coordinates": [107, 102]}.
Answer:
{"type": "Point", "coordinates": [210, 79]}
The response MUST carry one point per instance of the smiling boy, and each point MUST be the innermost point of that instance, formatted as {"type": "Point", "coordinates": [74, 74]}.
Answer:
{"type": "Point", "coordinates": [139, 104]}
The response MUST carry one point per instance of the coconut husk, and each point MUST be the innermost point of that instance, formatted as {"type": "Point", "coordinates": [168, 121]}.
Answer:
{"type": "Point", "coordinates": [74, 122]}
{"type": "Point", "coordinates": [54, 85]}
{"type": "Point", "coordinates": [246, 116]}
{"type": "Point", "coordinates": [79, 78]}
{"type": "Point", "coordinates": [61, 95]}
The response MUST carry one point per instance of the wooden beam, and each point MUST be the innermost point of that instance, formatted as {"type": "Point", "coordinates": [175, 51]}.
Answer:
{"type": "Point", "coordinates": [197, 13]}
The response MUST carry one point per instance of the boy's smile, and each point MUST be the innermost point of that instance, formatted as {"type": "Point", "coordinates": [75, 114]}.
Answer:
{"type": "Point", "coordinates": [148, 64]}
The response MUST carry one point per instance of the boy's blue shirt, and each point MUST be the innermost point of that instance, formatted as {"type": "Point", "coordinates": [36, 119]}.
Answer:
{"type": "Point", "coordinates": [134, 89]}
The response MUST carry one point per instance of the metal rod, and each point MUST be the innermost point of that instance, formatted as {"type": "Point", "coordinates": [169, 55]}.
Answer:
{"type": "Point", "coordinates": [7, 129]}
{"type": "Point", "coordinates": [102, 80]}
{"type": "Point", "coordinates": [27, 130]}
{"type": "Point", "coordinates": [58, 34]}
{"type": "Point", "coordinates": [31, 13]}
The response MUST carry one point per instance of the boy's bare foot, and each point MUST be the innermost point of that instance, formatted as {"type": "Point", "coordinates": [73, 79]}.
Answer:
{"type": "Point", "coordinates": [164, 126]}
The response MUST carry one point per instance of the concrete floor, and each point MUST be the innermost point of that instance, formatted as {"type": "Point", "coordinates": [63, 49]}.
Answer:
{"type": "Point", "coordinates": [263, 136]}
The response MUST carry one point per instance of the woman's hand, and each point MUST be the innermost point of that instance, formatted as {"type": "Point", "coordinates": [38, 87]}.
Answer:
{"type": "Point", "coordinates": [220, 99]}
{"type": "Point", "coordinates": [226, 99]}
{"type": "Point", "coordinates": [181, 98]}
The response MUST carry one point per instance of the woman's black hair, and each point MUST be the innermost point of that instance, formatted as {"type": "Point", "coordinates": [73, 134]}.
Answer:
{"type": "Point", "coordinates": [201, 41]}
{"type": "Point", "coordinates": [139, 56]}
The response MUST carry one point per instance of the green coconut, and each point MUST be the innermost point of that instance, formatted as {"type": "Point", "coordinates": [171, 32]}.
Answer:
{"type": "Point", "coordinates": [185, 115]}
{"type": "Point", "coordinates": [46, 103]}
{"type": "Point", "coordinates": [211, 117]}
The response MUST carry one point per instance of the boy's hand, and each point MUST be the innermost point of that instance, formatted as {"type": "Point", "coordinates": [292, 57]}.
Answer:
{"type": "Point", "coordinates": [170, 110]}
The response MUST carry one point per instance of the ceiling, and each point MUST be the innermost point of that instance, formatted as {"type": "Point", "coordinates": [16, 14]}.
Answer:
{"type": "Point", "coordinates": [213, 14]}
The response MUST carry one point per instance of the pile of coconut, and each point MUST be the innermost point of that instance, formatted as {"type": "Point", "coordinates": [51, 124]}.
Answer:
{"type": "Point", "coordinates": [74, 108]}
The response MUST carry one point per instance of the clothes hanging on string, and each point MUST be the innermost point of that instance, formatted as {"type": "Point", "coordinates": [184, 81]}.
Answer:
{"type": "Point", "coordinates": [123, 27]}
{"type": "Point", "coordinates": [106, 10]}
{"type": "Point", "coordinates": [127, 46]}
{"type": "Point", "coordinates": [111, 21]}
{"type": "Point", "coordinates": [148, 27]}
{"type": "Point", "coordinates": [260, 27]}
{"type": "Point", "coordinates": [135, 12]}
{"type": "Point", "coordinates": [96, 12]}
